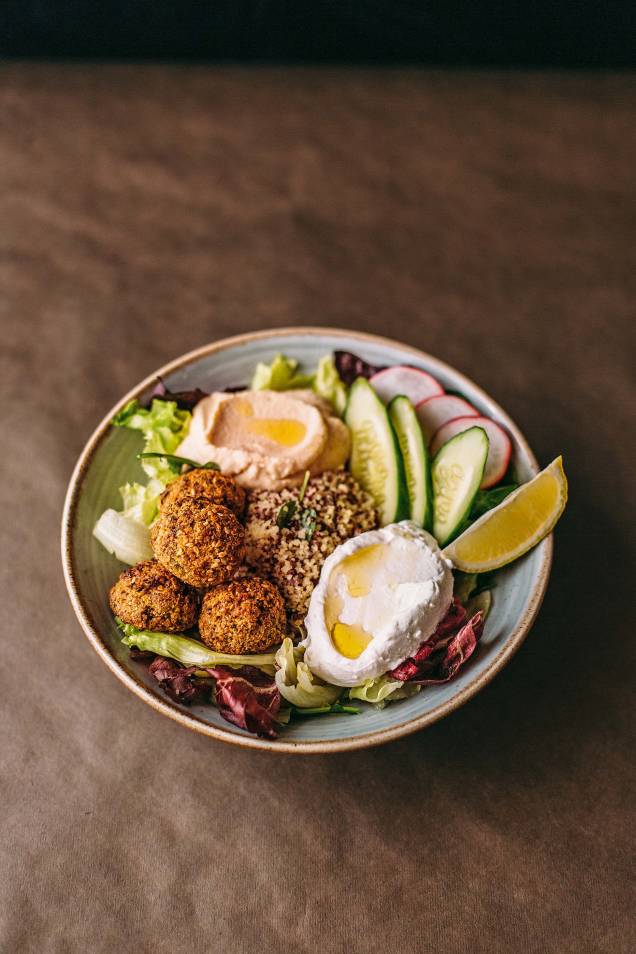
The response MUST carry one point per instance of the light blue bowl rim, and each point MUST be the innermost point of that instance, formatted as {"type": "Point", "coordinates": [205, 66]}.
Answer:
{"type": "Point", "coordinates": [509, 647]}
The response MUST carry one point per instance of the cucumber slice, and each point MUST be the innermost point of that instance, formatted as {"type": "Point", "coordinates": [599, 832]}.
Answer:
{"type": "Point", "coordinates": [417, 465]}
{"type": "Point", "coordinates": [376, 461]}
{"type": "Point", "coordinates": [457, 471]}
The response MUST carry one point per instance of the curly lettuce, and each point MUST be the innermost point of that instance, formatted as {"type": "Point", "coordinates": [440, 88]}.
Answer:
{"type": "Point", "coordinates": [163, 426]}
{"type": "Point", "coordinates": [297, 683]}
{"type": "Point", "coordinates": [141, 500]}
{"type": "Point", "coordinates": [282, 374]}
{"type": "Point", "coordinates": [329, 385]}
{"type": "Point", "coordinates": [382, 690]}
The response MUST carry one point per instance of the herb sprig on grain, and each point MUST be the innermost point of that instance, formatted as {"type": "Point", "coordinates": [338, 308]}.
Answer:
{"type": "Point", "coordinates": [308, 516]}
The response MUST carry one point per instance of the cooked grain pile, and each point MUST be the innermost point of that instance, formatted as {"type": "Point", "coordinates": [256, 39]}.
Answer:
{"type": "Point", "coordinates": [290, 557]}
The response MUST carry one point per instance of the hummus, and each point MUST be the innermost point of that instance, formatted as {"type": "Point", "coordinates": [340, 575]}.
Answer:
{"type": "Point", "coordinates": [266, 439]}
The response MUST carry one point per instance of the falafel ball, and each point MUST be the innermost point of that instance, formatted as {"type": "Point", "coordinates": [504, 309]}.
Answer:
{"type": "Point", "coordinates": [242, 616]}
{"type": "Point", "coordinates": [216, 487]}
{"type": "Point", "coordinates": [150, 597]}
{"type": "Point", "coordinates": [200, 542]}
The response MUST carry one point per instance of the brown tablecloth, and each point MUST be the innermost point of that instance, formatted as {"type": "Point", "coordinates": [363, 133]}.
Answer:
{"type": "Point", "coordinates": [488, 219]}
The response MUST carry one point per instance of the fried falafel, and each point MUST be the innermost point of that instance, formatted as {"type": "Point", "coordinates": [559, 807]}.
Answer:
{"type": "Point", "coordinates": [200, 542]}
{"type": "Point", "coordinates": [216, 487]}
{"type": "Point", "coordinates": [148, 596]}
{"type": "Point", "coordinates": [242, 616]}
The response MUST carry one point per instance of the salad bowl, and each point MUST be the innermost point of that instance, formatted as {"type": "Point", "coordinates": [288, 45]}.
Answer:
{"type": "Point", "coordinates": [108, 461]}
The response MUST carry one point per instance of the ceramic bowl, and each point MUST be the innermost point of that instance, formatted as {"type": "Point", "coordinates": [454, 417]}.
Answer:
{"type": "Point", "coordinates": [108, 461]}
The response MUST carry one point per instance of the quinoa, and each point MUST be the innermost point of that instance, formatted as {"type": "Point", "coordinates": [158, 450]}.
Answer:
{"type": "Point", "coordinates": [286, 556]}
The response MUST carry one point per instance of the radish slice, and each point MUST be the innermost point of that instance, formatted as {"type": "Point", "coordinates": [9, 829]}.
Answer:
{"type": "Point", "coordinates": [414, 384]}
{"type": "Point", "coordinates": [434, 412]}
{"type": "Point", "coordinates": [498, 452]}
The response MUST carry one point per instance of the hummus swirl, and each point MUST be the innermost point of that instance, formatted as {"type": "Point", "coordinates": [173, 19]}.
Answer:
{"type": "Point", "coordinates": [266, 438]}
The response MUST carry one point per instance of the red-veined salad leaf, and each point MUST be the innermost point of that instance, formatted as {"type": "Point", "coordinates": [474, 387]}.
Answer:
{"type": "Point", "coordinates": [410, 668]}
{"type": "Point", "coordinates": [350, 366]}
{"type": "Point", "coordinates": [177, 681]}
{"type": "Point", "coordinates": [245, 696]}
{"type": "Point", "coordinates": [248, 698]}
{"type": "Point", "coordinates": [455, 617]}
{"type": "Point", "coordinates": [445, 652]}
{"type": "Point", "coordinates": [460, 648]}
{"type": "Point", "coordinates": [185, 400]}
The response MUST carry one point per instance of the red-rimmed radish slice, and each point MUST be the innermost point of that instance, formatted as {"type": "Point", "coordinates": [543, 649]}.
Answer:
{"type": "Point", "coordinates": [498, 452]}
{"type": "Point", "coordinates": [434, 412]}
{"type": "Point", "coordinates": [414, 384]}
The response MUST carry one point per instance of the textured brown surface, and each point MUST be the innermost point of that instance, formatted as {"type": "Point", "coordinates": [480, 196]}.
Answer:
{"type": "Point", "coordinates": [488, 219]}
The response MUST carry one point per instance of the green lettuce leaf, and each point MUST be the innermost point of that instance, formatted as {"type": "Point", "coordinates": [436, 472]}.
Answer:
{"type": "Point", "coordinates": [485, 500]}
{"type": "Point", "coordinates": [141, 500]}
{"type": "Point", "coordinates": [464, 585]}
{"type": "Point", "coordinates": [481, 602]}
{"type": "Point", "coordinates": [382, 690]}
{"type": "Point", "coordinates": [280, 375]}
{"type": "Point", "coordinates": [485, 581]}
{"type": "Point", "coordinates": [188, 651]}
{"type": "Point", "coordinates": [123, 536]}
{"type": "Point", "coordinates": [336, 709]}
{"type": "Point", "coordinates": [329, 385]}
{"type": "Point", "coordinates": [163, 426]}
{"type": "Point", "coordinates": [297, 683]}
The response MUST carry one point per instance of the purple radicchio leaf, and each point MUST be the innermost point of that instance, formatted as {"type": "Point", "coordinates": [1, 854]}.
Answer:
{"type": "Point", "coordinates": [248, 698]}
{"type": "Point", "coordinates": [350, 366]}
{"type": "Point", "coordinates": [455, 617]}
{"type": "Point", "coordinates": [185, 400]}
{"type": "Point", "coordinates": [177, 681]}
{"type": "Point", "coordinates": [459, 650]}
{"type": "Point", "coordinates": [245, 696]}
{"type": "Point", "coordinates": [441, 656]}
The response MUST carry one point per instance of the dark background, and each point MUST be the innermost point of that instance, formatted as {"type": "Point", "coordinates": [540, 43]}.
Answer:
{"type": "Point", "coordinates": [439, 32]}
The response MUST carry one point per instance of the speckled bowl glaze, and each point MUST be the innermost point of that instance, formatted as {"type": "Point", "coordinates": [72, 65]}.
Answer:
{"type": "Point", "coordinates": [108, 461]}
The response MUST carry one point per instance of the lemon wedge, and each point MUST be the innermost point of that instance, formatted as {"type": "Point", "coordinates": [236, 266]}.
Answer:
{"type": "Point", "coordinates": [519, 522]}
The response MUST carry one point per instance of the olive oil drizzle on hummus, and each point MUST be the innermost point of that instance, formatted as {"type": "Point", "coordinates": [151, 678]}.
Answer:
{"type": "Point", "coordinates": [283, 431]}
